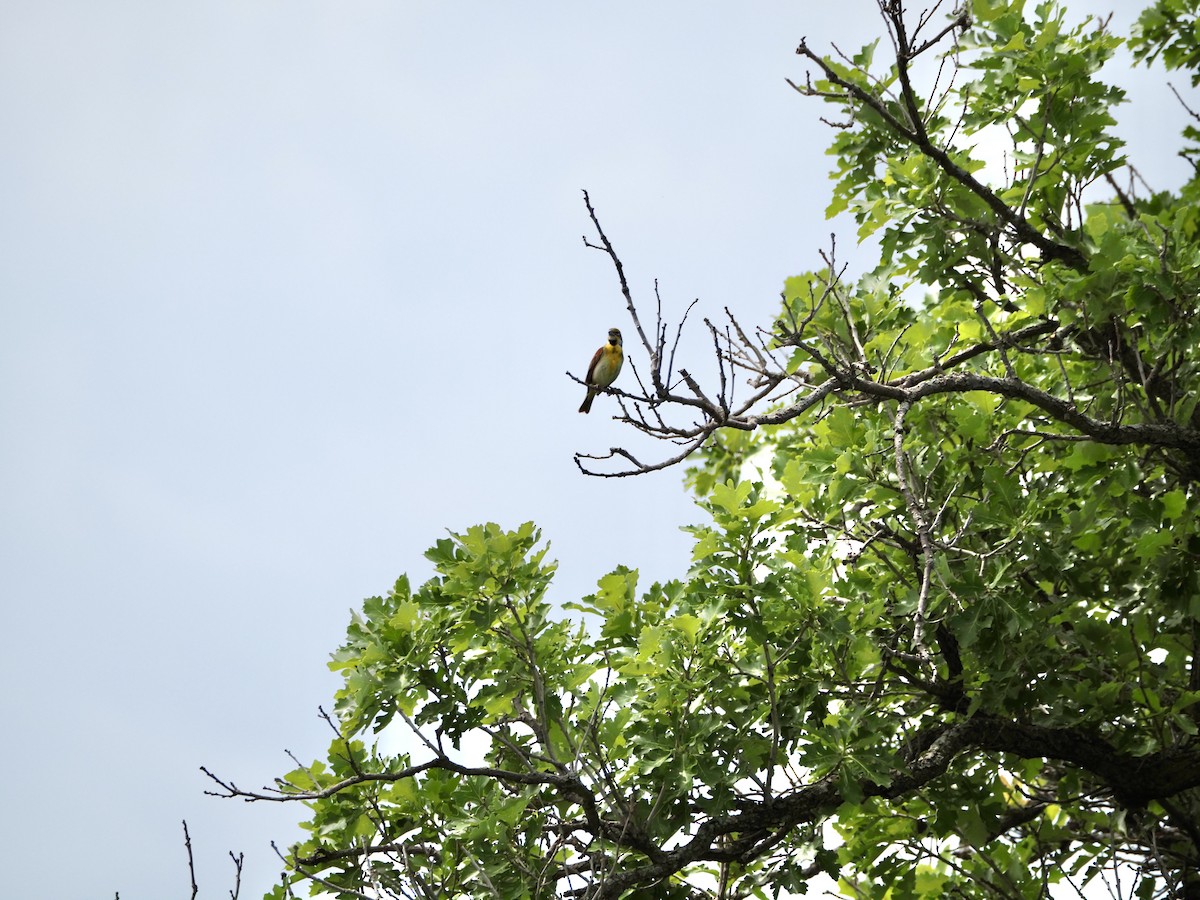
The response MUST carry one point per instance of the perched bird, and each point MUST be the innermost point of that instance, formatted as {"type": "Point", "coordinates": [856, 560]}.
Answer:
{"type": "Point", "coordinates": [605, 367]}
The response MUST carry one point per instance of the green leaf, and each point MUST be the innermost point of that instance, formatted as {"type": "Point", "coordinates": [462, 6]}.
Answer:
{"type": "Point", "coordinates": [1174, 503]}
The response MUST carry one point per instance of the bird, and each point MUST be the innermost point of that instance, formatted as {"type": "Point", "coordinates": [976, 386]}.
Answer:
{"type": "Point", "coordinates": [605, 367]}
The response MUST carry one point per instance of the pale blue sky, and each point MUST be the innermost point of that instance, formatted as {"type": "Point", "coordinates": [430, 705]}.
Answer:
{"type": "Point", "coordinates": [288, 289]}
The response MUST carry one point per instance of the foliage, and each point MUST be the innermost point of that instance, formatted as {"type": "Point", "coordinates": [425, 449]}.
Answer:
{"type": "Point", "coordinates": [940, 635]}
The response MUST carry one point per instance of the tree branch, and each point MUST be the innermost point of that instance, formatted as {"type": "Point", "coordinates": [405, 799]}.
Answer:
{"type": "Point", "coordinates": [917, 137]}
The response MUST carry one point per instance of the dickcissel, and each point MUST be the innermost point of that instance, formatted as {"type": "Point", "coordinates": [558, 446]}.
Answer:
{"type": "Point", "coordinates": [605, 367]}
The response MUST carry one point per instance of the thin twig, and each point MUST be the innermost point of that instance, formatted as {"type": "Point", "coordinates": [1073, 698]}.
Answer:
{"type": "Point", "coordinates": [187, 843]}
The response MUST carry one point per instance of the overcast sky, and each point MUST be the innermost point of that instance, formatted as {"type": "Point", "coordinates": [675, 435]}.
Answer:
{"type": "Point", "coordinates": [289, 288]}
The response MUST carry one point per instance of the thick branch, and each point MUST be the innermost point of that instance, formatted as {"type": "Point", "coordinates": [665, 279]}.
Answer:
{"type": "Point", "coordinates": [1132, 780]}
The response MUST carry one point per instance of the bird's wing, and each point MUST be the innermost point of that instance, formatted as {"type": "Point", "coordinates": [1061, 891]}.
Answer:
{"type": "Point", "coordinates": [595, 362]}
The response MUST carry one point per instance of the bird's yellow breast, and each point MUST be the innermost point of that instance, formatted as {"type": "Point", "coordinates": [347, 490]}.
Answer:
{"type": "Point", "coordinates": [608, 366]}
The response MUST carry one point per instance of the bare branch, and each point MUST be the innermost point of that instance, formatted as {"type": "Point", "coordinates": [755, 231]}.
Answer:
{"type": "Point", "coordinates": [187, 843]}
{"type": "Point", "coordinates": [238, 862]}
{"type": "Point", "coordinates": [920, 516]}
{"type": "Point", "coordinates": [607, 247]}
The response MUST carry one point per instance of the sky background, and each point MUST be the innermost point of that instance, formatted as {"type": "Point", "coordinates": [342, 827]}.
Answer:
{"type": "Point", "coordinates": [289, 289]}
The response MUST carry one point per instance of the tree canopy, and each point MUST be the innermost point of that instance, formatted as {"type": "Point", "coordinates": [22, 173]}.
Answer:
{"type": "Point", "coordinates": [940, 636]}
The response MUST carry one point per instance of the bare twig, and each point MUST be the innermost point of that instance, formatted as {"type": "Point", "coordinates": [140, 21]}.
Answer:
{"type": "Point", "coordinates": [920, 516]}
{"type": "Point", "coordinates": [187, 843]}
{"type": "Point", "coordinates": [238, 861]}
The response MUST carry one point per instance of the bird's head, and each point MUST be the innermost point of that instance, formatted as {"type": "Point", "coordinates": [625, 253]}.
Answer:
{"type": "Point", "coordinates": [614, 336]}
